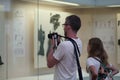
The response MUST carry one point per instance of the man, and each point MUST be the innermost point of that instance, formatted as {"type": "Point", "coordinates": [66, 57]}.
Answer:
{"type": "Point", "coordinates": [63, 58]}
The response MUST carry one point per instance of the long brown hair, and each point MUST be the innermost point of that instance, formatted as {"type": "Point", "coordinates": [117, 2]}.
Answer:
{"type": "Point", "coordinates": [97, 50]}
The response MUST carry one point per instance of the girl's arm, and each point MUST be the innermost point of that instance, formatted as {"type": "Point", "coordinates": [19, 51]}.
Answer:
{"type": "Point", "coordinates": [114, 69]}
{"type": "Point", "coordinates": [94, 73]}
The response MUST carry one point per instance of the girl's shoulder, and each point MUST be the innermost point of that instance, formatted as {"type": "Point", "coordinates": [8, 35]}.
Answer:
{"type": "Point", "coordinates": [93, 59]}
{"type": "Point", "coordinates": [93, 62]}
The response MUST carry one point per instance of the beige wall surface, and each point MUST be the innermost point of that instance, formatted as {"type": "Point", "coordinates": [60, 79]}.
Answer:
{"type": "Point", "coordinates": [118, 37]}
{"type": "Point", "coordinates": [24, 66]}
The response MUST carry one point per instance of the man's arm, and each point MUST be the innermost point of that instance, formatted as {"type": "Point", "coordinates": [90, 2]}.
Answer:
{"type": "Point", "coordinates": [51, 61]}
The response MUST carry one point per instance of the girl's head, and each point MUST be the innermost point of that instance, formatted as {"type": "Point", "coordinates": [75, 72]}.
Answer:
{"type": "Point", "coordinates": [96, 49]}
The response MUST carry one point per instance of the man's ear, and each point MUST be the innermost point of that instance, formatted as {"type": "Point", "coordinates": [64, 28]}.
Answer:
{"type": "Point", "coordinates": [69, 27]}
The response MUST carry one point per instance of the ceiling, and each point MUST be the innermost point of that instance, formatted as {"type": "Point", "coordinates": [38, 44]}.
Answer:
{"type": "Point", "coordinates": [80, 3]}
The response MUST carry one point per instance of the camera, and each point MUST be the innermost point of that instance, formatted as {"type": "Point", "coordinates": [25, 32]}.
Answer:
{"type": "Point", "coordinates": [53, 34]}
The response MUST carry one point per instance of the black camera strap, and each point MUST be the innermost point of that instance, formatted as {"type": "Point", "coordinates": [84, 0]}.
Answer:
{"type": "Point", "coordinates": [76, 51]}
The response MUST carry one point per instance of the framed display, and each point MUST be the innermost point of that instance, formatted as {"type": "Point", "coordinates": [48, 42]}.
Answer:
{"type": "Point", "coordinates": [45, 22]}
{"type": "Point", "coordinates": [104, 28]}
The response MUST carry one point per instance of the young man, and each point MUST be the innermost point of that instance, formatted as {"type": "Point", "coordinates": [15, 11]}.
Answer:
{"type": "Point", "coordinates": [63, 58]}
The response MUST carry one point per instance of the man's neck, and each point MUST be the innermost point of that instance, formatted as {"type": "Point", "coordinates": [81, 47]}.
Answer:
{"type": "Point", "coordinates": [72, 35]}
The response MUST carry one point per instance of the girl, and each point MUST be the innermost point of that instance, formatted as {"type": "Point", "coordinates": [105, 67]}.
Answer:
{"type": "Point", "coordinates": [97, 54]}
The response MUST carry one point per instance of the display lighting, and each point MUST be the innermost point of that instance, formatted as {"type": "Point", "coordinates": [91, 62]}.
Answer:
{"type": "Point", "coordinates": [61, 2]}
{"type": "Point", "coordinates": [113, 6]}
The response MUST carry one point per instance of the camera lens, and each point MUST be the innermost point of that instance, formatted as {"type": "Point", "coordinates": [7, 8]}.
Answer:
{"type": "Point", "coordinates": [50, 36]}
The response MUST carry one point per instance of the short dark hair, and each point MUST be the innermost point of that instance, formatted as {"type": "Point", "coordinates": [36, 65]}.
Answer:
{"type": "Point", "coordinates": [74, 21]}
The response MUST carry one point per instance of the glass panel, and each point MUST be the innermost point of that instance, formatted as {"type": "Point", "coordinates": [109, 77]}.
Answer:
{"type": "Point", "coordinates": [41, 42]}
{"type": "Point", "coordinates": [2, 45]}
{"type": "Point", "coordinates": [19, 41]}
{"type": "Point", "coordinates": [24, 26]}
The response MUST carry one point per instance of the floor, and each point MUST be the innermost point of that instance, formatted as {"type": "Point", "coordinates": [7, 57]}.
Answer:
{"type": "Point", "coordinates": [50, 77]}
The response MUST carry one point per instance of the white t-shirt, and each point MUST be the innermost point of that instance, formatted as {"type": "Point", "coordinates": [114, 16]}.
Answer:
{"type": "Point", "coordinates": [92, 62]}
{"type": "Point", "coordinates": [67, 66]}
